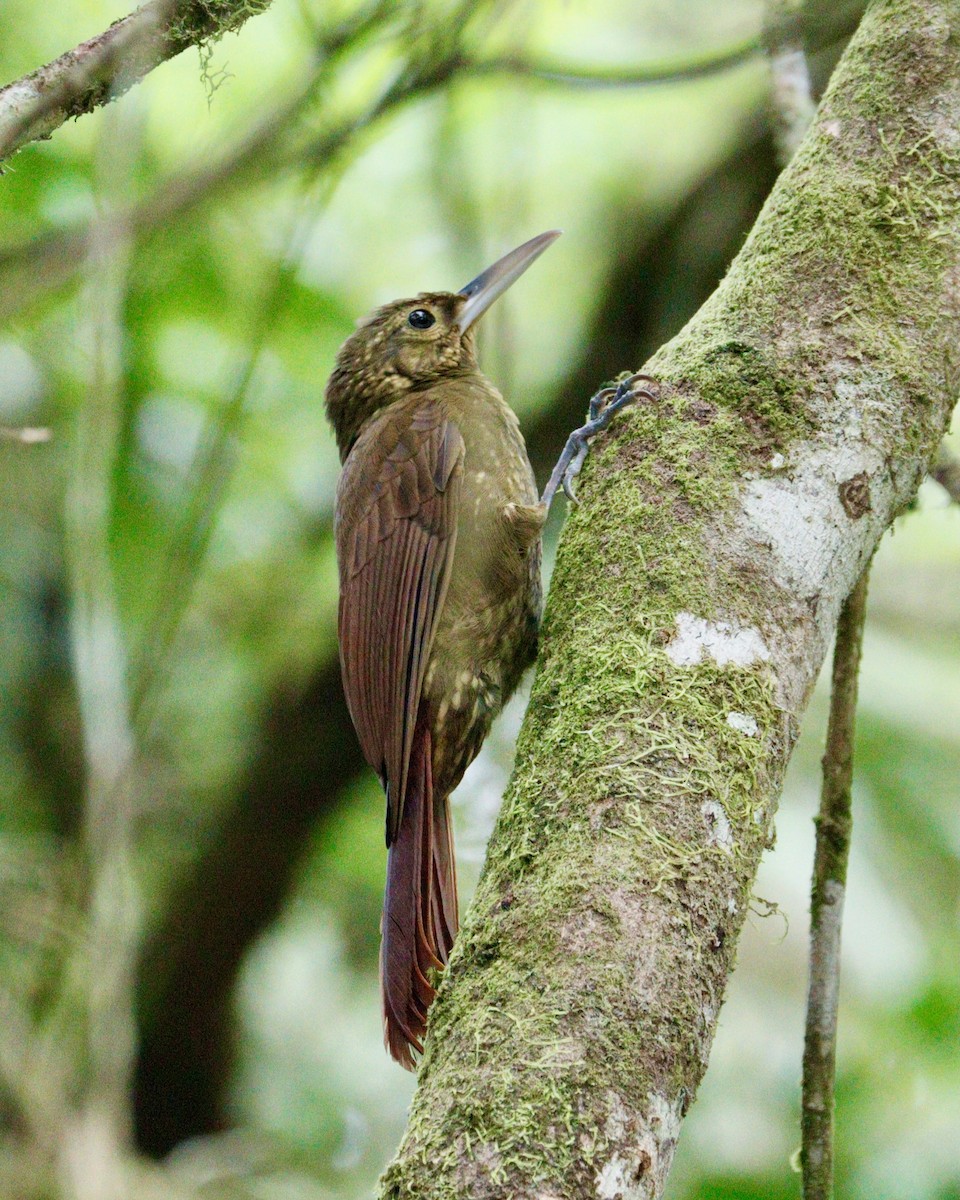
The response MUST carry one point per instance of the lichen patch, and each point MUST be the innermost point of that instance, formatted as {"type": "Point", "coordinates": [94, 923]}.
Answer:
{"type": "Point", "coordinates": [743, 723]}
{"type": "Point", "coordinates": [615, 1182]}
{"type": "Point", "coordinates": [719, 832]}
{"type": "Point", "coordinates": [726, 642]}
{"type": "Point", "coordinates": [802, 514]}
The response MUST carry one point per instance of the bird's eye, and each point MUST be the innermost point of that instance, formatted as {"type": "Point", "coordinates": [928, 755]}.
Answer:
{"type": "Point", "coordinates": [421, 319]}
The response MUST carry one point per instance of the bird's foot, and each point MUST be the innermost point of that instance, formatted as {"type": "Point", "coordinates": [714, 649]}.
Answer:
{"type": "Point", "coordinates": [603, 407]}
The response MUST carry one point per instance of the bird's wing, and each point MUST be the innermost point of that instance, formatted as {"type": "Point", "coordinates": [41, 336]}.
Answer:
{"type": "Point", "coordinates": [397, 508]}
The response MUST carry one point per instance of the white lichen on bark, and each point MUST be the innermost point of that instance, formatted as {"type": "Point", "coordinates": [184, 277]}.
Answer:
{"type": "Point", "coordinates": [725, 642]}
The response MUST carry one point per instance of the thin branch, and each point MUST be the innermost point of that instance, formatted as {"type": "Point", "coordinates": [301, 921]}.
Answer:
{"type": "Point", "coordinates": [946, 472]}
{"type": "Point", "coordinates": [781, 28]}
{"type": "Point", "coordinates": [106, 66]}
{"type": "Point", "coordinates": [791, 91]}
{"type": "Point", "coordinates": [579, 75]}
{"type": "Point", "coordinates": [834, 827]}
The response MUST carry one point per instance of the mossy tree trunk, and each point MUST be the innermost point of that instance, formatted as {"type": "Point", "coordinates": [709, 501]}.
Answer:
{"type": "Point", "coordinates": [696, 590]}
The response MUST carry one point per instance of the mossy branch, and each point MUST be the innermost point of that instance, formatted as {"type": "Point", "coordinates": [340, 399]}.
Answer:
{"type": "Point", "coordinates": [696, 590]}
{"type": "Point", "coordinates": [834, 827]}
{"type": "Point", "coordinates": [106, 66]}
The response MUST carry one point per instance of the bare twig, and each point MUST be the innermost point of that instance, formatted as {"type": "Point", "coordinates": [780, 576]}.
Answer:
{"type": "Point", "coordinates": [105, 66]}
{"type": "Point", "coordinates": [946, 472]}
{"type": "Point", "coordinates": [781, 30]}
{"type": "Point", "coordinates": [791, 92]}
{"type": "Point", "coordinates": [579, 75]}
{"type": "Point", "coordinates": [834, 825]}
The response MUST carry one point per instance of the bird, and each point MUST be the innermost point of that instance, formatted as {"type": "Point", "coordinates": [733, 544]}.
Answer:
{"type": "Point", "coordinates": [438, 535]}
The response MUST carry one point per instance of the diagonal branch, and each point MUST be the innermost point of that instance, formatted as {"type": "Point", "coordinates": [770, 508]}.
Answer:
{"type": "Point", "coordinates": [106, 66]}
{"type": "Point", "coordinates": [696, 589]}
{"type": "Point", "coordinates": [579, 75]}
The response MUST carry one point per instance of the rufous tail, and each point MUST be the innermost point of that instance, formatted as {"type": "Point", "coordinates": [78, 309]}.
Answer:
{"type": "Point", "coordinates": [419, 906]}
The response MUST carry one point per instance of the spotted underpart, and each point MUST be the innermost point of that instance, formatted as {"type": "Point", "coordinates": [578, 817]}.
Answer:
{"type": "Point", "coordinates": [494, 595]}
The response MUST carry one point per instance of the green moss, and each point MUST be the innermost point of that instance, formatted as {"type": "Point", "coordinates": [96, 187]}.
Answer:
{"type": "Point", "coordinates": [200, 21]}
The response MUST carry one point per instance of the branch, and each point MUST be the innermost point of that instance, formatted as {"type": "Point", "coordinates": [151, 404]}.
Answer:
{"type": "Point", "coordinates": [106, 66]}
{"type": "Point", "coordinates": [696, 589]}
{"type": "Point", "coordinates": [946, 472]}
{"type": "Point", "coordinates": [781, 29]}
{"type": "Point", "coordinates": [792, 93]}
{"type": "Point", "coordinates": [834, 826]}
{"type": "Point", "coordinates": [578, 75]}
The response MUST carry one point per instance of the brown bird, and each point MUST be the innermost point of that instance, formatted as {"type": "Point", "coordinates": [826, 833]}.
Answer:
{"type": "Point", "coordinates": [438, 542]}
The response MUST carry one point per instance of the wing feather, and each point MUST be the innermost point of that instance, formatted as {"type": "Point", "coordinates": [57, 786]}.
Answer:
{"type": "Point", "coordinates": [398, 503]}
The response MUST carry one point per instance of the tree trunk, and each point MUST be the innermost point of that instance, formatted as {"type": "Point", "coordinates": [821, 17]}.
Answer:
{"type": "Point", "coordinates": [695, 594]}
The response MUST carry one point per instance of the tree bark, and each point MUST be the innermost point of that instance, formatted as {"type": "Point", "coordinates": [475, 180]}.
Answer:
{"type": "Point", "coordinates": [696, 590]}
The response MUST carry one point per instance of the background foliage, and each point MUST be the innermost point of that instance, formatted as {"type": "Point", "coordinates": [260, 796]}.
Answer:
{"type": "Point", "coordinates": [190, 854]}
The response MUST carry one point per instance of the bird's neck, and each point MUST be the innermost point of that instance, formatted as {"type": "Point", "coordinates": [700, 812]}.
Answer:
{"type": "Point", "coordinates": [353, 397]}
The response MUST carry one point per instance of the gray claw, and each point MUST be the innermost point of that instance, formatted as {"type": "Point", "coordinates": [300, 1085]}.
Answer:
{"type": "Point", "coordinates": [603, 406]}
{"type": "Point", "coordinates": [598, 401]}
{"type": "Point", "coordinates": [573, 470]}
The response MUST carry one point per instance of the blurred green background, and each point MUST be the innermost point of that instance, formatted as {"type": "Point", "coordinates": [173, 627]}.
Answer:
{"type": "Point", "coordinates": [191, 854]}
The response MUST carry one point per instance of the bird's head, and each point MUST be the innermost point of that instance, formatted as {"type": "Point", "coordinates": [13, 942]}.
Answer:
{"type": "Point", "coordinates": [411, 344]}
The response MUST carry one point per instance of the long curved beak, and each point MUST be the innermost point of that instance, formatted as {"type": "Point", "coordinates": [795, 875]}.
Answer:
{"type": "Point", "coordinates": [494, 281]}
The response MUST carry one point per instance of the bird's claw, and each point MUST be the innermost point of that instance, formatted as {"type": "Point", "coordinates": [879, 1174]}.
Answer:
{"type": "Point", "coordinates": [573, 469]}
{"type": "Point", "coordinates": [603, 407]}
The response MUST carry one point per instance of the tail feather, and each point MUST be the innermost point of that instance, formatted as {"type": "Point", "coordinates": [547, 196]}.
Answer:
{"type": "Point", "coordinates": [420, 906]}
{"type": "Point", "coordinates": [445, 911]}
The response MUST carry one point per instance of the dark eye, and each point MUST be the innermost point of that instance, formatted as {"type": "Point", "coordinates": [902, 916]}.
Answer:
{"type": "Point", "coordinates": [421, 319]}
